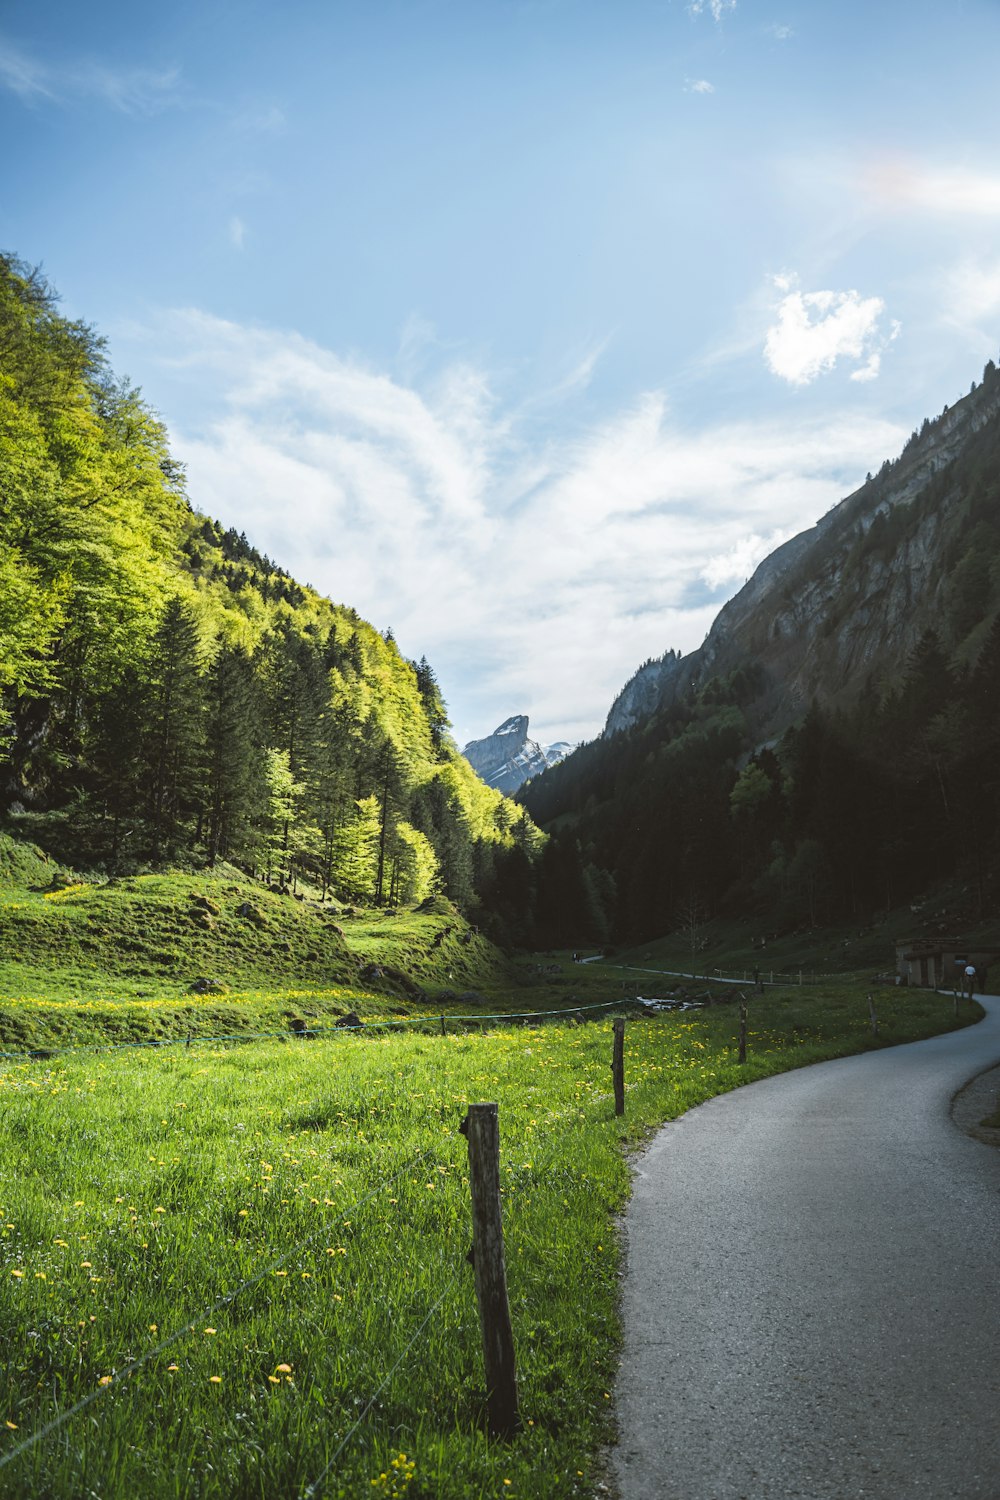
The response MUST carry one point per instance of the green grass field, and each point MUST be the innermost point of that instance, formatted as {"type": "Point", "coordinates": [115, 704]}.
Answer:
{"type": "Point", "coordinates": [241, 1271]}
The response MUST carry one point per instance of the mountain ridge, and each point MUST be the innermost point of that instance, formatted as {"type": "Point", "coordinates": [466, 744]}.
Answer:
{"type": "Point", "coordinates": [830, 750]}
{"type": "Point", "coordinates": [894, 600]}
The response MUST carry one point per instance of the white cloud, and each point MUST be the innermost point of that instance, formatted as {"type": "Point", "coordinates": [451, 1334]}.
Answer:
{"type": "Point", "coordinates": [133, 91]}
{"type": "Point", "coordinates": [21, 74]}
{"type": "Point", "coordinates": [816, 329]}
{"type": "Point", "coordinates": [237, 232]}
{"type": "Point", "coordinates": [267, 120]}
{"type": "Point", "coordinates": [736, 565]}
{"type": "Point", "coordinates": [715, 8]}
{"type": "Point", "coordinates": [896, 182]}
{"type": "Point", "coordinates": [780, 33]}
{"type": "Point", "coordinates": [698, 86]}
{"type": "Point", "coordinates": [972, 292]}
{"type": "Point", "coordinates": [534, 575]}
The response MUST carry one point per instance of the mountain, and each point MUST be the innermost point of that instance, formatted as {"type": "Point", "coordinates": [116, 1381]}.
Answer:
{"type": "Point", "coordinates": [507, 758]}
{"type": "Point", "coordinates": [841, 605]}
{"type": "Point", "coordinates": [832, 747]}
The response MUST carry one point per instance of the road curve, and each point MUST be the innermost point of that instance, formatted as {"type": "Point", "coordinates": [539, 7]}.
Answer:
{"type": "Point", "coordinates": [812, 1296]}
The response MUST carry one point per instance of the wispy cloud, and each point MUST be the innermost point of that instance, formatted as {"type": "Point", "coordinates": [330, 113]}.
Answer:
{"type": "Point", "coordinates": [901, 184]}
{"type": "Point", "coordinates": [237, 232]}
{"type": "Point", "coordinates": [21, 74]}
{"type": "Point", "coordinates": [698, 86]}
{"type": "Point", "coordinates": [534, 574]}
{"type": "Point", "coordinates": [269, 119]}
{"type": "Point", "coordinates": [736, 565]}
{"type": "Point", "coordinates": [780, 33]}
{"type": "Point", "coordinates": [132, 91]}
{"type": "Point", "coordinates": [814, 330]}
{"type": "Point", "coordinates": [969, 295]}
{"type": "Point", "coordinates": [714, 8]}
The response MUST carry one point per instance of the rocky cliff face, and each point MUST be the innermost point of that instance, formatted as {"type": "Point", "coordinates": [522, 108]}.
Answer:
{"type": "Point", "coordinates": [842, 604]}
{"type": "Point", "coordinates": [507, 758]}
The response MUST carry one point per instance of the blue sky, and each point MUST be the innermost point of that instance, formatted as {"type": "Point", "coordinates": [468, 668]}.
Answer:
{"type": "Point", "coordinates": [527, 327]}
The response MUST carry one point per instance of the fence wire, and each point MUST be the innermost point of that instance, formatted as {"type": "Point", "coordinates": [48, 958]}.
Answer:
{"type": "Point", "coordinates": [119, 1376]}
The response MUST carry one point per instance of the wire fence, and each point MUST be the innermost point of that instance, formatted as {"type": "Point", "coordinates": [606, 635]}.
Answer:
{"type": "Point", "coordinates": [118, 1377]}
{"type": "Point", "coordinates": [759, 976]}
{"type": "Point", "coordinates": [436, 1022]}
{"type": "Point", "coordinates": [313, 1490]}
{"type": "Point", "coordinates": [133, 1366]}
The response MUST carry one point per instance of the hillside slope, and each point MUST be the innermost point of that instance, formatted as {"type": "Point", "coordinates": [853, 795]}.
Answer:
{"type": "Point", "coordinates": [169, 695]}
{"type": "Point", "coordinates": [831, 749]}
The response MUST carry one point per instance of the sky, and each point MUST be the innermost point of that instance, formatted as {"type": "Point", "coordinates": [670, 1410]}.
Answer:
{"type": "Point", "coordinates": [525, 327]}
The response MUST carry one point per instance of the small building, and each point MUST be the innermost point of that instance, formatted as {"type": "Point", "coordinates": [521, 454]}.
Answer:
{"type": "Point", "coordinates": [939, 962]}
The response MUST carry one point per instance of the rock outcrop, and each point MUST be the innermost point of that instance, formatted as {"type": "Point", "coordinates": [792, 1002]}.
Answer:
{"type": "Point", "coordinates": [507, 758]}
{"type": "Point", "coordinates": [841, 605]}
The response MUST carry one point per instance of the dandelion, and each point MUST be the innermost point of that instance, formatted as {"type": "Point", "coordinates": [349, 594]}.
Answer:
{"type": "Point", "coordinates": [283, 1369]}
{"type": "Point", "coordinates": [12, 1426]}
{"type": "Point", "coordinates": [18, 1274]}
{"type": "Point", "coordinates": [215, 1380]}
{"type": "Point", "coordinates": [210, 1330]}
{"type": "Point", "coordinates": [105, 1380]}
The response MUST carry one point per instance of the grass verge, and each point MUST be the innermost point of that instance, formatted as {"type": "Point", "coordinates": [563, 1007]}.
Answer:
{"type": "Point", "coordinates": [249, 1263]}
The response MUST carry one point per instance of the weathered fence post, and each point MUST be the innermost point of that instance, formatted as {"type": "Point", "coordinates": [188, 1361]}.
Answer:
{"type": "Point", "coordinates": [481, 1127]}
{"type": "Point", "coordinates": [618, 1064]}
{"type": "Point", "coordinates": [874, 1017]}
{"type": "Point", "coordinates": [443, 1033]}
{"type": "Point", "coordinates": [743, 1028]}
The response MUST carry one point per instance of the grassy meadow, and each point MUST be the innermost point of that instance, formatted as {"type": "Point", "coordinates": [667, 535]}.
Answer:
{"type": "Point", "coordinates": [240, 1271]}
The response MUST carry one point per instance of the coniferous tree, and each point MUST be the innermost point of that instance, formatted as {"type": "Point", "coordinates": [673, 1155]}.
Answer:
{"type": "Point", "coordinates": [232, 769]}
{"type": "Point", "coordinates": [175, 727]}
{"type": "Point", "coordinates": [116, 772]}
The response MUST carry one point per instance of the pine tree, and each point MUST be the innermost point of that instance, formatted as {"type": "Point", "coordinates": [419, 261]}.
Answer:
{"type": "Point", "coordinates": [175, 729]}
{"type": "Point", "coordinates": [232, 768]}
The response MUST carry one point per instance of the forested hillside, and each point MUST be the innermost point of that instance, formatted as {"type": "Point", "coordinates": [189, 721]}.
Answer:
{"type": "Point", "coordinates": [834, 747]}
{"type": "Point", "coordinates": [170, 695]}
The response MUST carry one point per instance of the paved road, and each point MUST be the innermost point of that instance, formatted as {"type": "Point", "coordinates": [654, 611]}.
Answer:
{"type": "Point", "coordinates": [812, 1301]}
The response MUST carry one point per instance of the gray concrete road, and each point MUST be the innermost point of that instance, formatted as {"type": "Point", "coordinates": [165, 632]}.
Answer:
{"type": "Point", "coordinates": [812, 1295]}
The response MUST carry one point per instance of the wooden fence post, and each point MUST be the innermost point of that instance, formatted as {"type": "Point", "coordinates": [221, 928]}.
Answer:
{"type": "Point", "coordinates": [743, 1028]}
{"type": "Point", "coordinates": [442, 1026]}
{"type": "Point", "coordinates": [873, 1016]}
{"type": "Point", "coordinates": [481, 1127]}
{"type": "Point", "coordinates": [618, 1064]}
